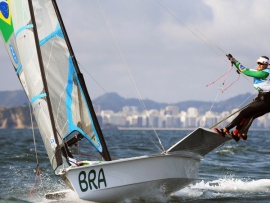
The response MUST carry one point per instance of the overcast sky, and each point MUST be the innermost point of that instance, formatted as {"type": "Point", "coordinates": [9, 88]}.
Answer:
{"type": "Point", "coordinates": [171, 49]}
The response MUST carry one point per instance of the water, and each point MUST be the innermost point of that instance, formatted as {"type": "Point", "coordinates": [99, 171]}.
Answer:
{"type": "Point", "coordinates": [235, 172]}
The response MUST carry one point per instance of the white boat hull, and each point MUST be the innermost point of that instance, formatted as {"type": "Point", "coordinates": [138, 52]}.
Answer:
{"type": "Point", "coordinates": [142, 177]}
{"type": "Point", "coordinates": [133, 177]}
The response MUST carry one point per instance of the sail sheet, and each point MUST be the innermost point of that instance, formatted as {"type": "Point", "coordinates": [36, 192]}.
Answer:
{"type": "Point", "coordinates": [70, 110]}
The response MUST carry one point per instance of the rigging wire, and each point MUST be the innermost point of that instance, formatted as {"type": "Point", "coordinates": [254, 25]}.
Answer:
{"type": "Point", "coordinates": [215, 125]}
{"type": "Point", "coordinates": [193, 31]}
{"type": "Point", "coordinates": [38, 170]}
{"type": "Point", "coordinates": [33, 132]}
{"type": "Point", "coordinates": [221, 89]}
{"type": "Point", "coordinates": [152, 141]}
{"type": "Point", "coordinates": [92, 77]}
{"type": "Point", "coordinates": [212, 106]}
{"type": "Point", "coordinates": [197, 34]}
{"type": "Point", "coordinates": [34, 188]}
{"type": "Point", "coordinates": [128, 70]}
{"type": "Point", "coordinates": [207, 42]}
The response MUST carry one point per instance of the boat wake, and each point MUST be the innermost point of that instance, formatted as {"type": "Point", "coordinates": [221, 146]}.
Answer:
{"type": "Point", "coordinates": [225, 187]}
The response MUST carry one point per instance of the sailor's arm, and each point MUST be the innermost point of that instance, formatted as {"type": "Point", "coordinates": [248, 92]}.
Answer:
{"type": "Point", "coordinates": [251, 72]}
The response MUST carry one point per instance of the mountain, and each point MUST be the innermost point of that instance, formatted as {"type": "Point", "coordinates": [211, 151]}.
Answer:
{"type": "Point", "coordinates": [16, 117]}
{"type": "Point", "coordinates": [113, 101]}
{"type": "Point", "coordinates": [15, 113]}
{"type": "Point", "coordinates": [13, 98]}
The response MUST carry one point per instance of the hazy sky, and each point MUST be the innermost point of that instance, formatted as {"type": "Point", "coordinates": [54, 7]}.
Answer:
{"type": "Point", "coordinates": [171, 49]}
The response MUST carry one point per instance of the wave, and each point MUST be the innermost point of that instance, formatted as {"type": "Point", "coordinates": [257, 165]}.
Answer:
{"type": "Point", "coordinates": [226, 187]}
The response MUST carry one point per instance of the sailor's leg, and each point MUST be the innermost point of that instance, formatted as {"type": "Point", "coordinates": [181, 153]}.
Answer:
{"type": "Point", "coordinates": [248, 112]}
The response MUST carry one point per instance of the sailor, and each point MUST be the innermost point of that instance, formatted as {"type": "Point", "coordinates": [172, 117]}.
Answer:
{"type": "Point", "coordinates": [259, 106]}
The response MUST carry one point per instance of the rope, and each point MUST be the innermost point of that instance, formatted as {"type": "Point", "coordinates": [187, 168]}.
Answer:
{"type": "Point", "coordinates": [193, 31]}
{"type": "Point", "coordinates": [196, 32]}
{"type": "Point", "coordinates": [207, 44]}
{"type": "Point", "coordinates": [34, 188]}
{"type": "Point", "coordinates": [128, 70]}
{"type": "Point", "coordinates": [223, 90]}
{"type": "Point", "coordinates": [223, 75]}
{"type": "Point", "coordinates": [215, 100]}
{"type": "Point", "coordinates": [152, 141]}
{"type": "Point", "coordinates": [231, 84]}
{"type": "Point", "coordinates": [231, 115]}
{"type": "Point", "coordinates": [92, 77]}
{"type": "Point", "coordinates": [226, 74]}
{"type": "Point", "coordinates": [213, 82]}
{"type": "Point", "coordinates": [33, 132]}
{"type": "Point", "coordinates": [38, 171]}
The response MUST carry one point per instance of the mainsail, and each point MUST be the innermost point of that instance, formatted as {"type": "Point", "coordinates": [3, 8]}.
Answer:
{"type": "Point", "coordinates": [39, 48]}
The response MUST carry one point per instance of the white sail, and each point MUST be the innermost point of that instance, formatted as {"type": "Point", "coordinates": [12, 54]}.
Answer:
{"type": "Point", "coordinates": [49, 78]}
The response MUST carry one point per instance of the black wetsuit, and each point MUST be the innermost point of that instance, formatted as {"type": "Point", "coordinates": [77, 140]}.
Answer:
{"type": "Point", "coordinates": [260, 105]}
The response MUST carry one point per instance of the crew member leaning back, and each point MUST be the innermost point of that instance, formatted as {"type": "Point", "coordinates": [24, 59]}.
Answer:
{"type": "Point", "coordinates": [260, 105]}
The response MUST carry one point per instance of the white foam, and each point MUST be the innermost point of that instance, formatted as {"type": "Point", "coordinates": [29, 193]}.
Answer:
{"type": "Point", "coordinates": [226, 185]}
{"type": "Point", "coordinates": [70, 196]}
{"type": "Point", "coordinates": [228, 149]}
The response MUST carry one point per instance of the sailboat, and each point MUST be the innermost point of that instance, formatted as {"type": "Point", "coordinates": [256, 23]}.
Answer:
{"type": "Point", "coordinates": [40, 51]}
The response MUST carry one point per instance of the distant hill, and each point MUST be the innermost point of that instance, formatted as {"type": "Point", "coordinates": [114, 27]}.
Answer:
{"type": "Point", "coordinates": [14, 108]}
{"type": "Point", "coordinates": [113, 101]}
{"type": "Point", "coordinates": [13, 98]}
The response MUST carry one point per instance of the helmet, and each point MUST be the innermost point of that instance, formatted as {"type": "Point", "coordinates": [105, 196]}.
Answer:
{"type": "Point", "coordinates": [263, 59]}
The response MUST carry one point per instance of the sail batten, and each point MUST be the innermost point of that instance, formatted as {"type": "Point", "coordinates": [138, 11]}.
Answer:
{"type": "Point", "coordinates": [56, 33]}
{"type": "Point", "coordinates": [23, 28]}
{"type": "Point", "coordinates": [42, 95]}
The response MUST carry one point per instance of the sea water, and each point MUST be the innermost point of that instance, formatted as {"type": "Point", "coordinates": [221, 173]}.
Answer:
{"type": "Point", "coordinates": [234, 172]}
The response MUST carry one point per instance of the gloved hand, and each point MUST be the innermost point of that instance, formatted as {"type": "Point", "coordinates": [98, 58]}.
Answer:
{"type": "Point", "coordinates": [230, 57]}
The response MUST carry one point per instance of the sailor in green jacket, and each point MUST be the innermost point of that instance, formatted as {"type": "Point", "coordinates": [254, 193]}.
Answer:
{"type": "Point", "coordinates": [260, 105]}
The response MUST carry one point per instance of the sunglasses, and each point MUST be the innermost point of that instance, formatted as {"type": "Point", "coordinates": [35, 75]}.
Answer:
{"type": "Point", "coordinates": [262, 63]}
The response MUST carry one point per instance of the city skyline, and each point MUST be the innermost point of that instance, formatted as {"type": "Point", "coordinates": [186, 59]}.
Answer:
{"type": "Point", "coordinates": [170, 117]}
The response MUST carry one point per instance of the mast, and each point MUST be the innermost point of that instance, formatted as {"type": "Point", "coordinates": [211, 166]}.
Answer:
{"type": "Point", "coordinates": [105, 153]}
{"type": "Point", "coordinates": [58, 154]}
